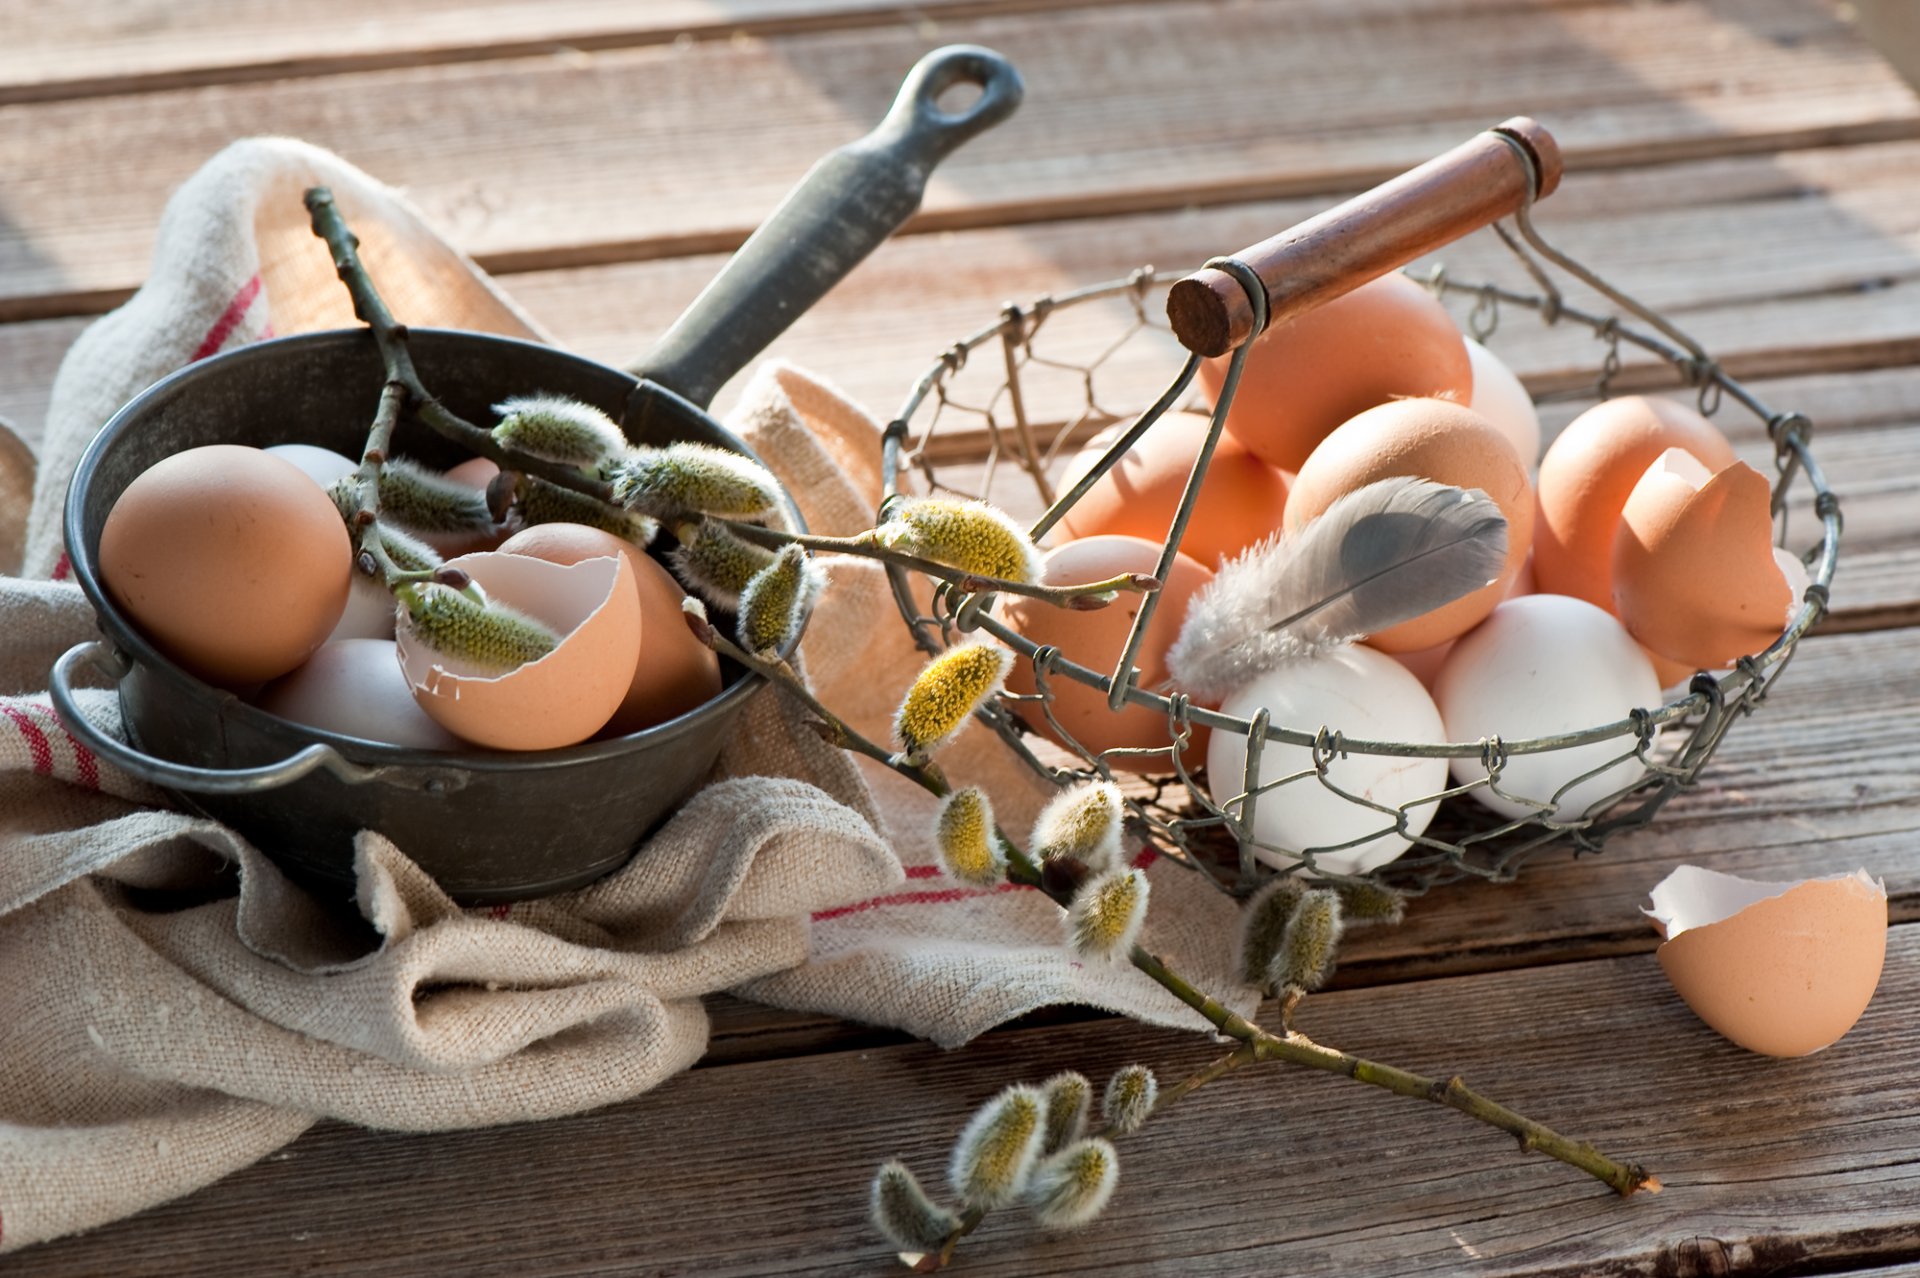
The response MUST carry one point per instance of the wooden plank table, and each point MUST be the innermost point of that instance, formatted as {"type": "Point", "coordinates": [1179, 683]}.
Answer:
{"type": "Point", "coordinates": [1749, 166]}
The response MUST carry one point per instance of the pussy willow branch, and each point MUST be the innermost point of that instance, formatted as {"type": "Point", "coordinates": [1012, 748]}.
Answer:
{"type": "Point", "coordinates": [391, 336]}
{"type": "Point", "coordinates": [1256, 1043]}
{"type": "Point", "coordinates": [1083, 597]}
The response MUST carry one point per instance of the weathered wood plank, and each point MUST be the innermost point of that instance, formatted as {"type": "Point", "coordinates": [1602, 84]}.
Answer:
{"type": "Point", "coordinates": [100, 48]}
{"type": "Point", "coordinates": [85, 50]}
{"type": "Point", "coordinates": [1810, 254]}
{"type": "Point", "coordinates": [629, 154]}
{"type": "Point", "coordinates": [1796, 1166]}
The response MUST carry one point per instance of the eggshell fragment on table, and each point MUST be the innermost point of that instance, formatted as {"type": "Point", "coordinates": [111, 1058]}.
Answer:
{"type": "Point", "coordinates": [1589, 471]}
{"type": "Point", "coordinates": [564, 697]}
{"type": "Point", "coordinates": [1696, 579]}
{"type": "Point", "coordinates": [1783, 969]}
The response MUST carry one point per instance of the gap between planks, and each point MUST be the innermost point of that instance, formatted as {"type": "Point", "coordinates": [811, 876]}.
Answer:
{"type": "Point", "coordinates": [1789, 1167]}
{"type": "Point", "coordinates": [635, 152]}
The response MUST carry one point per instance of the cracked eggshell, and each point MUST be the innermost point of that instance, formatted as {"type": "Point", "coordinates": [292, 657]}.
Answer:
{"type": "Point", "coordinates": [1783, 969]}
{"type": "Point", "coordinates": [1695, 577]}
{"type": "Point", "coordinates": [673, 672]}
{"type": "Point", "coordinates": [1587, 475]}
{"type": "Point", "coordinates": [567, 695]}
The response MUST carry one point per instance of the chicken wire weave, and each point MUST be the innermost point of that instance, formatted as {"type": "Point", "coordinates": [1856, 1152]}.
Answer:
{"type": "Point", "coordinates": [1001, 409]}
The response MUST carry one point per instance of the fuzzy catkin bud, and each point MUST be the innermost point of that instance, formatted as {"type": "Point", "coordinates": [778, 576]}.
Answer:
{"type": "Point", "coordinates": [1371, 903]}
{"type": "Point", "coordinates": [1106, 914]}
{"type": "Point", "coordinates": [1069, 1097]}
{"type": "Point", "coordinates": [1129, 1100]}
{"type": "Point", "coordinates": [963, 831]}
{"type": "Point", "coordinates": [1305, 958]}
{"type": "Point", "coordinates": [969, 535]}
{"type": "Point", "coordinates": [1072, 1187]}
{"type": "Point", "coordinates": [947, 692]}
{"type": "Point", "coordinates": [557, 429]}
{"type": "Point", "coordinates": [716, 562]}
{"type": "Point", "coordinates": [902, 1211]}
{"type": "Point", "coordinates": [996, 1152]}
{"type": "Point", "coordinates": [539, 502]}
{"type": "Point", "coordinates": [1082, 824]}
{"type": "Point", "coordinates": [427, 501]}
{"type": "Point", "coordinates": [694, 479]}
{"type": "Point", "coordinates": [409, 553]}
{"type": "Point", "coordinates": [1263, 925]}
{"type": "Point", "coordinates": [774, 605]}
{"type": "Point", "coordinates": [486, 636]}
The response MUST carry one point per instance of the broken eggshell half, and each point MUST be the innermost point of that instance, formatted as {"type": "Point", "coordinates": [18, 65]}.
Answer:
{"type": "Point", "coordinates": [564, 697]}
{"type": "Point", "coordinates": [1783, 969]}
{"type": "Point", "coordinates": [1696, 576]}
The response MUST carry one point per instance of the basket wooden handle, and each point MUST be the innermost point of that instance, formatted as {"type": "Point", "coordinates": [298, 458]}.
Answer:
{"type": "Point", "coordinates": [1335, 252]}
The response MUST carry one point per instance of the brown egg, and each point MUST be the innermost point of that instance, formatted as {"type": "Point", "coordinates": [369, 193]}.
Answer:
{"type": "Point", "coordinates": [233, 562]}
{"type": "Point", "coordinates": [1241, 501]}
{"type": "Point", "coordinates": [1586, 476]}
{"type": "Point", "coordinates": [1095, 639]}
{"type": "Point", "coordinates": [1783, 969]}
{"type": "Point", "coordinates": [1436, 440]}
{"type": "Point", "coordinates": [1694, 573]}
{"type": "Point", "coordinates": [1388, 339]}
{"type": "Point", "coordinates": [475, 472]}
{"type": "Point", "coordinates": [674, 672]}
{"type": "Point", "coordinates": [564, 697]}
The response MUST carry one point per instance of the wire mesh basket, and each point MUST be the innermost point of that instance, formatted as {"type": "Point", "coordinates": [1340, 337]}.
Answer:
{"type": "Point", "coordinates": [1002, 409]}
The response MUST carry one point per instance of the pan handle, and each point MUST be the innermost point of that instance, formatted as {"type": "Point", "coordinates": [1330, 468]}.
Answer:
{"type": "Point", "coordinates": [843, 209]}
{"type": "Point", "coordinates": [1493, 174]}
{"type": "Point", "coordinates": [183, 776]}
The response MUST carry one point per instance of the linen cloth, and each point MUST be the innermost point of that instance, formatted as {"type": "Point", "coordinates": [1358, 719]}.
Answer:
{"type": "Point", "coordinates": [173, 1008]}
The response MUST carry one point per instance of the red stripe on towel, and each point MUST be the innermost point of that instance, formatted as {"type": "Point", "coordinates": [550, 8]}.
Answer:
{"type": "Point", "coordinates": [62, 568]}
{"type": "Point", "coordinates": [84, 762]}
{"type": "Point", "coordinates": [37, 744]}
{"type": "Point", "coordinates": [915, 898]}
{"type": "Point", "coordinates": [229, 320]}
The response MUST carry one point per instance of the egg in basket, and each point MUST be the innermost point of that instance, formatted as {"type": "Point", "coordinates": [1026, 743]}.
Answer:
{"type": "Point", "coordinates": [1381, 634]}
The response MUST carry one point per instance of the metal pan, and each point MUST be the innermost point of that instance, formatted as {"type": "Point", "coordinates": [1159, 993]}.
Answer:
{"type": "Point", "coordinates": [488, 826]}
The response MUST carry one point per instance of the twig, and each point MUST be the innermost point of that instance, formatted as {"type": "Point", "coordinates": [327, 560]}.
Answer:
{"type": "Point", "coordinates": [1257, 1043]}
{"type": "Point", "coordinates": [1083, 598]}
{"type": "Point", "coordinates": [391, 337]}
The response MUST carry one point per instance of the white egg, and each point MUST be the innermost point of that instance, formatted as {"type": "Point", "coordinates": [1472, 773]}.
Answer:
{"type": "Point", "coordinates": [1499, 397]}
{"type": "Point", "coordinates": [1365, 696]}
{"type": "Point", "coordinates": [369, 611]}
{"type": "Point", "coordinates": [322, 465]}
{"type": "Point", "coordinates": [355, 687]}
{"type": "Point", "coordinates": [1539, 666]}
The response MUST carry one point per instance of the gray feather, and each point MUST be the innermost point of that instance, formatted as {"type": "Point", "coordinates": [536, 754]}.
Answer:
{"type": "Point", "coordinates": [1381, 555]}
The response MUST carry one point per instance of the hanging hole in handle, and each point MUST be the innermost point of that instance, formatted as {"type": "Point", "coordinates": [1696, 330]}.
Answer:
{"type": "Point", "coordinates": [957, 92]}
{"type": "Point", "coordinates": [959, 98]}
